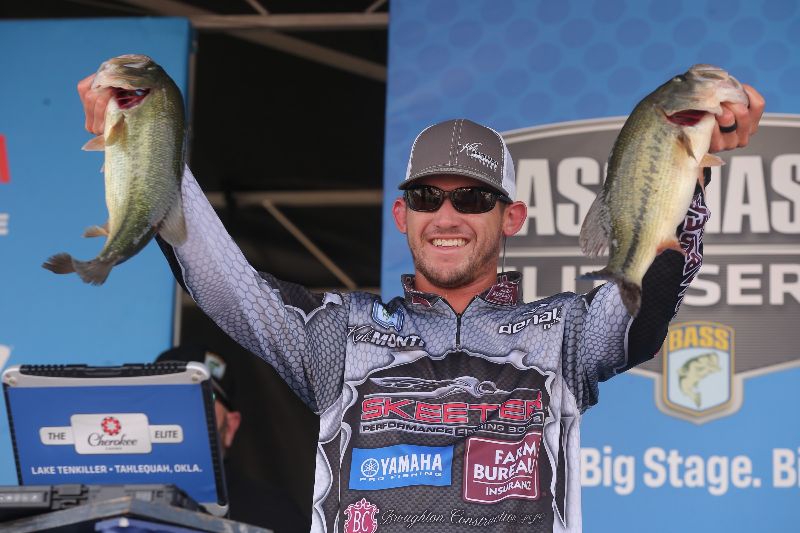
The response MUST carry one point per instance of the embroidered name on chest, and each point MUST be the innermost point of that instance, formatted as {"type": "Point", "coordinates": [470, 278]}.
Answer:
{"type": "Point", "coordinates": [367, 333]}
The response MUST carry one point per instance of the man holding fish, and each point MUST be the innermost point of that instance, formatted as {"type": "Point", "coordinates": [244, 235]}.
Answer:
{"type": "Point", "coordinates": [458, 394]}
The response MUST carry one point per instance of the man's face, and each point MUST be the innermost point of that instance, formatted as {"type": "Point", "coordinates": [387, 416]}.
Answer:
{"type": "Point", "coordinates": [452, 249]}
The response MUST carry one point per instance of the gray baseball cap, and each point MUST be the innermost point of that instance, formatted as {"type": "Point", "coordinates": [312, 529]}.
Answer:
{"type": "Point", "coordinates": [465, 148]}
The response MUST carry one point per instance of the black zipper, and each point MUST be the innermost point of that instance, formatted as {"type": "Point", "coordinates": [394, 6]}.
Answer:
{"type": "Point", "coordinates": [458, 320]}
{"type": "Point", "coordinates": [458, 331]}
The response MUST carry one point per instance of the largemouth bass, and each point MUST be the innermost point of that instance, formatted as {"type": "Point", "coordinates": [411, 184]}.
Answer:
{"type": "Point", "coordinates": [654, 166]}
{"type": "Point", "coordinates": [694, 371]}
{"type": "Point", "coordinates": [143, 140]}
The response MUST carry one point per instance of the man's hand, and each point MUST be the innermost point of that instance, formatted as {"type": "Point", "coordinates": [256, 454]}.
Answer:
{"type": "Point", "coordinates": [94, 104]}
{"type": "Point", "coordinates": [738, 122]}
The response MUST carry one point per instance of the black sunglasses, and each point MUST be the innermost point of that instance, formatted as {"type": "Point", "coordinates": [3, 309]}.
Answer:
{"type": "Point", "coordinates": [469, 200]}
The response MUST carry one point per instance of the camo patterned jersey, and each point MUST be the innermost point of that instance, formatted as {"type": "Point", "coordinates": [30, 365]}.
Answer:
{"type": "Point", "coordinates": [431, 419]}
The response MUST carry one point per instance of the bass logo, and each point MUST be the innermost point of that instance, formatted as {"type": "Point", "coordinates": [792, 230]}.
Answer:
{"type": "Point", "coordinates": [698, 381]}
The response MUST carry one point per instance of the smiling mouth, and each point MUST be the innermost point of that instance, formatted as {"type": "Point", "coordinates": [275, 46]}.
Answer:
{"type": "Point", "coordinates": [449, 243]}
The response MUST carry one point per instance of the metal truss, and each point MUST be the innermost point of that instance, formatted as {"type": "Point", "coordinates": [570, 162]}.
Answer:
{"type": "Point", "coordinates": [265, 29]}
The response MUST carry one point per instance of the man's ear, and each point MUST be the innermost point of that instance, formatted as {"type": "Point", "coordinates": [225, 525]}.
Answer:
{"type": "Point", "coordinates": [514, 217]}
{"type": "Point", "coordinates": [399, 213]}
{"type": "Point", "coordinates": [232, 419]}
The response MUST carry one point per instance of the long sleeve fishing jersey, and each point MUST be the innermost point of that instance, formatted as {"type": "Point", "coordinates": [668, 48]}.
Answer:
{"type": "Point", "coordinates": [429, 418]}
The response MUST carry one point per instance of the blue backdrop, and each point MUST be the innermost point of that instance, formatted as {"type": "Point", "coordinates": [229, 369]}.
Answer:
{"type": "Point", "coordinates": [520, 64]}
{"type": "Point", "coordinates": [56, 190]}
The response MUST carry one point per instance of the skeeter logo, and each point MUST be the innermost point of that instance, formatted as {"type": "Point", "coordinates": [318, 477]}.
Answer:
{"type": "Point", "coordinates": [411, 407]}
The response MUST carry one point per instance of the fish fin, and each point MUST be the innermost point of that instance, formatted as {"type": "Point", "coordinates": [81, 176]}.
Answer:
{"type": "Point", "coordinates": [596, 228]}
{"type": "Point", "coordinates": [630, 291]}
{"type": "Point", "coordinates": [670, 243]}
{"type": "Point", "coordinates": [686, 142]}
{"type": "Point", "coordinates": [173, 228]}
{"type": "Point", "coordinates": [116, 132]}
{"type": "Point", "coordinates": [97, 144]}
{"type": "Point", "coordinates": [96, 231]}
{"type": "Point", "coordinates": [93, 272]}
{"type": "Point", "coordinates": [60, 264]}
{"type": "Point", "coordinates": [701, 180]}
{"type": "Point", "coordinates": [710, 160]}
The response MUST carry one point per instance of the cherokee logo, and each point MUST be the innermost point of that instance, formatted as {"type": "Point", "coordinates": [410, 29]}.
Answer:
{"type": "Point", "coordinates": [361, 517]}
{"type": "Point", "coordinates": [545, 319]}
{"type": "Point", "coordinates": [402, 465]}
{"type": "Point", "coordinates": [111, 425]}
{"type": "Point", "coordinates": [104, 434]}
{"type": "Point", "coordinates": [383, 318]}
{"type": "Point", "coordinates": [367, 333]}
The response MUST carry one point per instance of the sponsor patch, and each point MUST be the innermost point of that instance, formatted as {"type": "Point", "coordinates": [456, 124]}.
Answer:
{"type": "Point", "coordinates": [403, 465]}
{"type": "Point", "coordinates": [505, 292]}
{"type": "Point", "coordinates": [546, 319]}
{"type": "Point", "coordinates": [495, 470]}
{"type": "Point", "coordinates": [387, 320]}
{"type": "Point", "coordinates": [361, 517]}
{"type": "Point", "coordinates": [412, 406]}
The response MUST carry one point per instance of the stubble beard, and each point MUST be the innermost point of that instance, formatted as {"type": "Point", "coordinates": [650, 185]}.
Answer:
{"type": "Point", "coordinates": [461, 275]}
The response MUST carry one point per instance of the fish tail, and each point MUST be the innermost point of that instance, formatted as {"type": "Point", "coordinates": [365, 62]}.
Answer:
{"type": "Point", "coordinates": [630, 291]}
{"type": "Point", "coordinates": [60, 264]}
{"type": "Point", "coordinates": [93, 272]}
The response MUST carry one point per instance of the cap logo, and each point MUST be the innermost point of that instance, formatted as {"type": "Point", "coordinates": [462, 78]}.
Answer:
{"type": "Point", "coordinates": [472, 151]}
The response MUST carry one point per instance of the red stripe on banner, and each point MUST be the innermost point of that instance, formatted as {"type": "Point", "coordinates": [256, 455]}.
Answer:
{"type": "Point", "coordinates": [5, 176]}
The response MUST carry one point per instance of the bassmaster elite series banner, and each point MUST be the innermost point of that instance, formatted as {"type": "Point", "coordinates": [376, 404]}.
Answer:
{"type": "Point", "coordinates": [704, 437]}
{"type": "Point", "coordinates": [50, 191]}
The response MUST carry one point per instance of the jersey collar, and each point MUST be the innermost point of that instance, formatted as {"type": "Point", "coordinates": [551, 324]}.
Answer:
{"type": "Point", "coordinates": [506, 291]}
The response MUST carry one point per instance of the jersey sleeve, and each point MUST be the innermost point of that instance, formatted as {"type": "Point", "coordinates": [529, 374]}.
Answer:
{"type": "Point", "coordinates": [601, 340]}
{"type": "Point", "coordinates": [300, 333]}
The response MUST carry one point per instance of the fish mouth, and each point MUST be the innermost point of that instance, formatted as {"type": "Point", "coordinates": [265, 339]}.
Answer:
{"type": "Point", "coordinates": [129, 98]}
{"type": "Point", "coordinates": [686, 117]}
